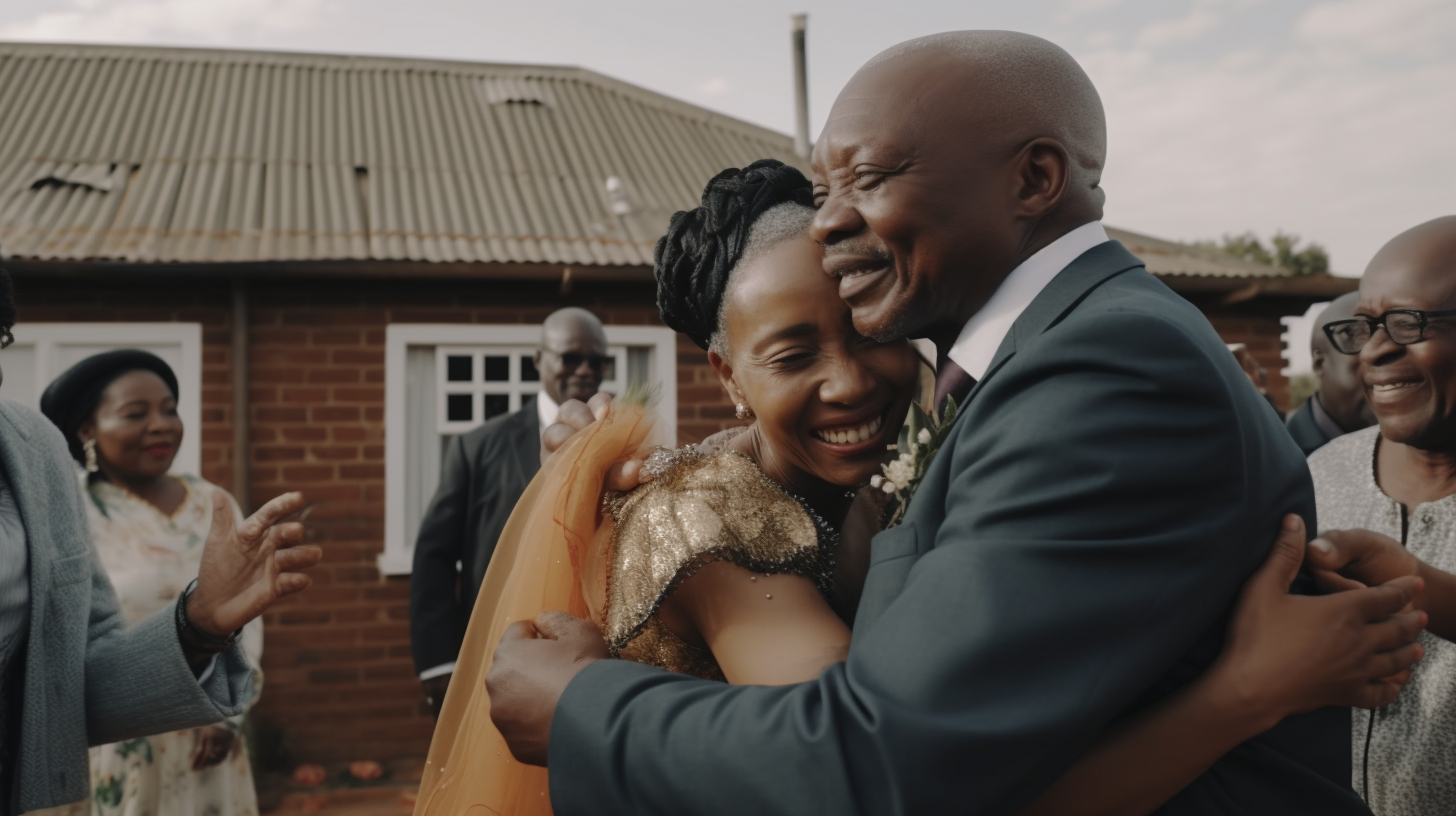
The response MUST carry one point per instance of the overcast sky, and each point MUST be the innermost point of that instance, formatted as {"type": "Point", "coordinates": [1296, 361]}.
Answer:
{"type": "Point", "coordinates": [1334, 120]}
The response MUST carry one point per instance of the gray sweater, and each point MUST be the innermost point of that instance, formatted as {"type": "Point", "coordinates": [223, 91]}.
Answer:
{"type": "Point", "coordinates": [88, 680]}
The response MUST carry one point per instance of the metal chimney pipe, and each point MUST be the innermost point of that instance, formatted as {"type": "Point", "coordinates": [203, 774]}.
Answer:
{"type": "Point", "coordinates": [802, 145]}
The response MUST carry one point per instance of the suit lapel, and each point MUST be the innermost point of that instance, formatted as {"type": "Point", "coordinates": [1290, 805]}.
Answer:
{"type": "Point", "coordinates": [1065, 291]}
{"type": "Point", "coordinates": [526, 446]}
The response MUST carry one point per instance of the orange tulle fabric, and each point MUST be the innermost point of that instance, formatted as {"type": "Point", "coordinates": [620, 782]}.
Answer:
{"type": "Point", "coordinates": [553, 554]}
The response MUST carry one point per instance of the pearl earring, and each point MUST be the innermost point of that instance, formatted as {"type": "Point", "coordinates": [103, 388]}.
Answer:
{"type": "Point", "coordinates": [743, 411]}
{"type": "Point", "coordinates": [90, 447]}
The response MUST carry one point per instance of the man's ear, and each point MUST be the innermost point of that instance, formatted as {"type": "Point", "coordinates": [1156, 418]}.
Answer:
{"type": "Point", "coordinates": [1317, 358]}
{"type": "Point", "coordinates": [724, 370]}
{"type": "Point", "coordinates": [1043, 173]}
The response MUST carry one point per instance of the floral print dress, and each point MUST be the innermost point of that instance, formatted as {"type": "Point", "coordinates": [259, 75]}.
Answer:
{"type": "Point", "coordinates": [150, 558]}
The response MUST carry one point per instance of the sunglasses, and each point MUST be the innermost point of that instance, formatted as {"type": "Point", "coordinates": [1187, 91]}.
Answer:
{"type": "Point", "coordinates": [572, 360]}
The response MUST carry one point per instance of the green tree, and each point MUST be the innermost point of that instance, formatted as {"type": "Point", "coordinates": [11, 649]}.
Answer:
{"type": "Point", "coordinates": [1284, 252]}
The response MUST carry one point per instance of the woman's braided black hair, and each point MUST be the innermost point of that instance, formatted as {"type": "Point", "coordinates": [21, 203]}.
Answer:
{"type": "Point", "coordinates": [702, 245]}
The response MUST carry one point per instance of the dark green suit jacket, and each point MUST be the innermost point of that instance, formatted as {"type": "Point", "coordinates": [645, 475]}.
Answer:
{"type": "Point", "coordinates": [1306, 432]}
{"type": "Point", "coordinates": [1070, 558]}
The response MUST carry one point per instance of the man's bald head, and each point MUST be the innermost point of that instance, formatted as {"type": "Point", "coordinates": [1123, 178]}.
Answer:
{"type": "Point", "coordinates": [1028, 86]}
{"type": "Point", "coordinates": [947, 161]}
{"type": "Point", "coordinates": [1412, 387]}
{"type": "Point", "coordinates": [1341, 392]}
{"type": "Point", "coordinates": [1341, 308]}
{"type": "Point", "coordinates": [573, 354]}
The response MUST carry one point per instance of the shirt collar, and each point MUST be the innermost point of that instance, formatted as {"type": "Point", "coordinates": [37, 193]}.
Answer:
{"type": "Point", "coordinates": [546, 409]}
{"type": "Point", "coordinates": [977, 343]}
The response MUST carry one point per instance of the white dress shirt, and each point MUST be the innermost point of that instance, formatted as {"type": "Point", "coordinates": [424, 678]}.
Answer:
{"type": "Point", "coordinates": [546, 410]}
{"type": "Point", "coordinates": [983, 333]}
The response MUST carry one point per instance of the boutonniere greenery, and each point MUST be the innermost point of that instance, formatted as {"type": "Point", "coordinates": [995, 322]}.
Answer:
{"type": "Point", "coordinates": [901, 477]}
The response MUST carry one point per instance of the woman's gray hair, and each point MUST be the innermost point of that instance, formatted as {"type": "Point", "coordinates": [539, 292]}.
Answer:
{"type": "Point", "coordinates": [778, 223]}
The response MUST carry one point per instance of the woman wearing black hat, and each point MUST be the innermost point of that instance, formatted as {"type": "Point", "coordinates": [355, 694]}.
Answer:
{"type": "Point", "coordinates": [118, 413]}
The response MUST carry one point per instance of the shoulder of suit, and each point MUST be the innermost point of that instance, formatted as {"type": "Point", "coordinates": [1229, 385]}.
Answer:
{"type": "Point", "coordinates": [501, 428]}
{"type": "Point", "coordinates": [39, 433]}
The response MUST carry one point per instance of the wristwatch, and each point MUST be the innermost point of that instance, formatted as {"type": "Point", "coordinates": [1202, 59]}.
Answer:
{"type": "Point", "coordinates": [195, 639]}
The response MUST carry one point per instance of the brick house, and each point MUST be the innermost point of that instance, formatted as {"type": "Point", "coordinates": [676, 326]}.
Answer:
{"type": "Point", "coordinates": [347, 259]}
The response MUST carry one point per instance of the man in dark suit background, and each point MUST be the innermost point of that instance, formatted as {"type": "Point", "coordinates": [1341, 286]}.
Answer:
{"type": "Point", "coordinates": [1339, 406]}
{"type": "Point", "coordinates": [1073, 551]}
{"type": "Point", "coordinates": [484, 474]}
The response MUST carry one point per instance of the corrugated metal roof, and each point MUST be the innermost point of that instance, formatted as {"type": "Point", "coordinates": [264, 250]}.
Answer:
{"type": "Point", "coordinates": [160, 154]}
{"type": "Point", "coordinates": [1175, 259]}
{"type": "Point", "coordinates": [197, 155]}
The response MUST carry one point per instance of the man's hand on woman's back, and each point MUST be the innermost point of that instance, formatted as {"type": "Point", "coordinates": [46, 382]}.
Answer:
{"type": "Point", "coordinates": [576, 415]}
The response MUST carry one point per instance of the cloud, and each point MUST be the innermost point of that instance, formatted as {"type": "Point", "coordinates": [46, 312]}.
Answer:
{"type": "Point", "coordinates": [1191, 26]}
{"type": "Point", "coordinates": [716, 86]}
{"type": "Point", "coordinates": [1379, 27]}
{"type": "Point", "coordinates": [1343, 154]}
{"type": "Point", "coordinates": [141, 21]}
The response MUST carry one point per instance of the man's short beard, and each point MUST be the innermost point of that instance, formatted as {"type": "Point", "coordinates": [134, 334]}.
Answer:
{"type": "Point", "coordinates": [896, 327]}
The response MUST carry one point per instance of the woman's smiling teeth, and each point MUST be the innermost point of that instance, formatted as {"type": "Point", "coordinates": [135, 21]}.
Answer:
{"type": "Point", "coordinates": [850, 436]}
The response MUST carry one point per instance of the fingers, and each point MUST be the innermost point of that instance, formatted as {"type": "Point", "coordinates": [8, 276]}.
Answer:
{"type": "Point", "coordinates": [279, 508]}
{"type": "Point", "coordinates": [298, 558]}
{"type": "Point", "coordinates": [556, 625]}
{"type": "Point", "coordinates": [624, 476]}
{"type": "Point", "coordinates": [1395, 663]}
{"type": "Point", "coordinates": [556, 436]}
{"type": "Point", "coordinates": [1333, 582]}
{"type": "Point", "coordinates": [520, 630]}
{"type": "Point", "coordinates": [1398, 630]}
{"type": "Point", "coordinates": [223, 527]}
{"type": "Point", "coordinates": [289, 583]}
{"type": "Point", "coordinates": [1282, 565]}
{"type": "Point", "coordinates": [599, 403]}
{"type": "Point", "coordinates": [1385, 600]}
{"type": "Point", "coordinates": [575, 414]}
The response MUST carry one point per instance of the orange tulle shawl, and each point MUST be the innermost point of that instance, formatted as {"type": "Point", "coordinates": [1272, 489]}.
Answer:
{"type": "Point", "coordinates": [553, 554]}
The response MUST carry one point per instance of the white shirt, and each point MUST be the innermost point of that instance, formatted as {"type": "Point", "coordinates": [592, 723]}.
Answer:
{"type": "Point", "coordinates": [983, 333]}
{"type": "Point", "coordinates": [546, 410]}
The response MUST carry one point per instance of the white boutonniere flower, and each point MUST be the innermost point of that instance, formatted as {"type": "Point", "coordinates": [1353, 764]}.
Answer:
{"type": "Point", "coordinates": [901, 477]}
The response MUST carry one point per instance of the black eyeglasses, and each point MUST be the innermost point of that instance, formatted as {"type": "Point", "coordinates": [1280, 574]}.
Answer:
{"type": "Point", "coordinates": [1404, 326]}
{"type": "Point", "coordinates": [572, 360]}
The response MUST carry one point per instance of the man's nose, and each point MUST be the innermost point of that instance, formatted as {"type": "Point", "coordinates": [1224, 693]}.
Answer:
{"type": "Point", "coordinates": [836, 219]}
{"type": "Point", "coordinates": [1379, 349]}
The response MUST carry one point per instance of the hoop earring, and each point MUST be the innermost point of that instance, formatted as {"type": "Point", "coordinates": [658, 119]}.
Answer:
{"type": "Point", "coordinates": [90, 447]}
{"type": "Point", "coordinates": [743, 411]}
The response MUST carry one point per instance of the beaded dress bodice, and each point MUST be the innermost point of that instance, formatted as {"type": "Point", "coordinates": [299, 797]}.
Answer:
{"type": "Point", "coordinates": [700, 507]}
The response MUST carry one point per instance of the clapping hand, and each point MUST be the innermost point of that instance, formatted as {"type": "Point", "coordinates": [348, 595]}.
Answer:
{"type": "Point", "coordinates": [246, 568]}
{"type": "Point", "coordinates": [1352, 559]}
{"type": "Point", "coordinates": [212, 745]}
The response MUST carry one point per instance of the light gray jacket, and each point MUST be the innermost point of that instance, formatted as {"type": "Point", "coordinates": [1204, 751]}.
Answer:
{"type": "Point", "coordinates": [88, 679]}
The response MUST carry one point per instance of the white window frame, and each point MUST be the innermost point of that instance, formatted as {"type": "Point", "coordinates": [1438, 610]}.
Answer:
{"type": "Point", "coordinates": [398, 555]}
{"type": "Point", "coordinates": [48, 338]}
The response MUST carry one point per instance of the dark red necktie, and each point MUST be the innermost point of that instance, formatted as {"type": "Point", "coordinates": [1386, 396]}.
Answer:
{"type": "Point", "coordinates": [951, 381]}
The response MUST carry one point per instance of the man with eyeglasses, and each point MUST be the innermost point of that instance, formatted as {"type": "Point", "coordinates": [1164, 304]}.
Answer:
{"type": "Point", "coordinates": [483, 476]}
{"type": "Point", "coordinates": [1339, 406]}
{"type": "Point", "coordinates": [1399, 480]}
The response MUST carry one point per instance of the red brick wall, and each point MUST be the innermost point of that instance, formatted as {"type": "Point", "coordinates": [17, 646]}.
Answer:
{"type": "Point", "coordinates": [340, 683]}
{"type": "Point", "coordinates": [339, 678]}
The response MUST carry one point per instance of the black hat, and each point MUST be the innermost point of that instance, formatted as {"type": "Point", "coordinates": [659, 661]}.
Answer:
{"type": "Point", "coordinates": [71, 398]}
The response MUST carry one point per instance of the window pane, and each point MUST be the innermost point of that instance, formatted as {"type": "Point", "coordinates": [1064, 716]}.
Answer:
{"type": "Point", "coordinates": [609, 369]}
{"type": "Point", "coordinates": [497, 404]}
{"type": "Point", "coordinates": [457, 368]}
{"type": "Point", "coordinates": [459, 407]}
{"type": "Point", "coordinates": [497, 369]}
{"type": "Point", "coordinates": [528, 369]}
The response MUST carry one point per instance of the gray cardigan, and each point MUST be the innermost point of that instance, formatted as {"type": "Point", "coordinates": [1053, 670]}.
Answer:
{"type": "Point", "coordinates": [88, 679]}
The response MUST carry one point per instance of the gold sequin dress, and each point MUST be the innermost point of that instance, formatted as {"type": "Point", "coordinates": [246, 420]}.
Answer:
{"type": "Point", "coordinates": [700, 507]}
